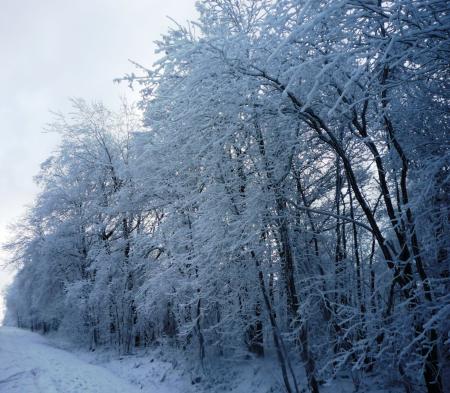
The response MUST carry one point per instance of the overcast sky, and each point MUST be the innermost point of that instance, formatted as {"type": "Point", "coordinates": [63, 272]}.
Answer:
{"type": "Point", "coordinates": [52, 50]}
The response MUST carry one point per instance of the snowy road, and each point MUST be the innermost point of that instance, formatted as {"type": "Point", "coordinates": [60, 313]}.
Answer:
{"type": "Point", "coordinates": [28, 364]}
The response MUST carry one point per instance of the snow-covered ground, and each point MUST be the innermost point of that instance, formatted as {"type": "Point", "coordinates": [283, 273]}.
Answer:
{"type": "Point", "coordinates": [30, 364]}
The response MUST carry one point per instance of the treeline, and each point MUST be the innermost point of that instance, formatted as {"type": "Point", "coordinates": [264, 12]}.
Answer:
{"type": "Point", "coordinates": [287, 193]}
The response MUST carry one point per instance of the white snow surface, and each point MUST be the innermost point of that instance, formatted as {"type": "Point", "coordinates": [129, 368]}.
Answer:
{"type": "Point", "coordinates": [30, 364]}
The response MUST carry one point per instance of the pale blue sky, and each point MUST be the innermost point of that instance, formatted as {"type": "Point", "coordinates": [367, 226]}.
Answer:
{"type": "Point", "coordinates": [52, 50]}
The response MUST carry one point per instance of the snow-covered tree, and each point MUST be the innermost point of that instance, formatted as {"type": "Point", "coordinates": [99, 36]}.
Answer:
{"type": "Point", "coordinates": [288, 195]}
